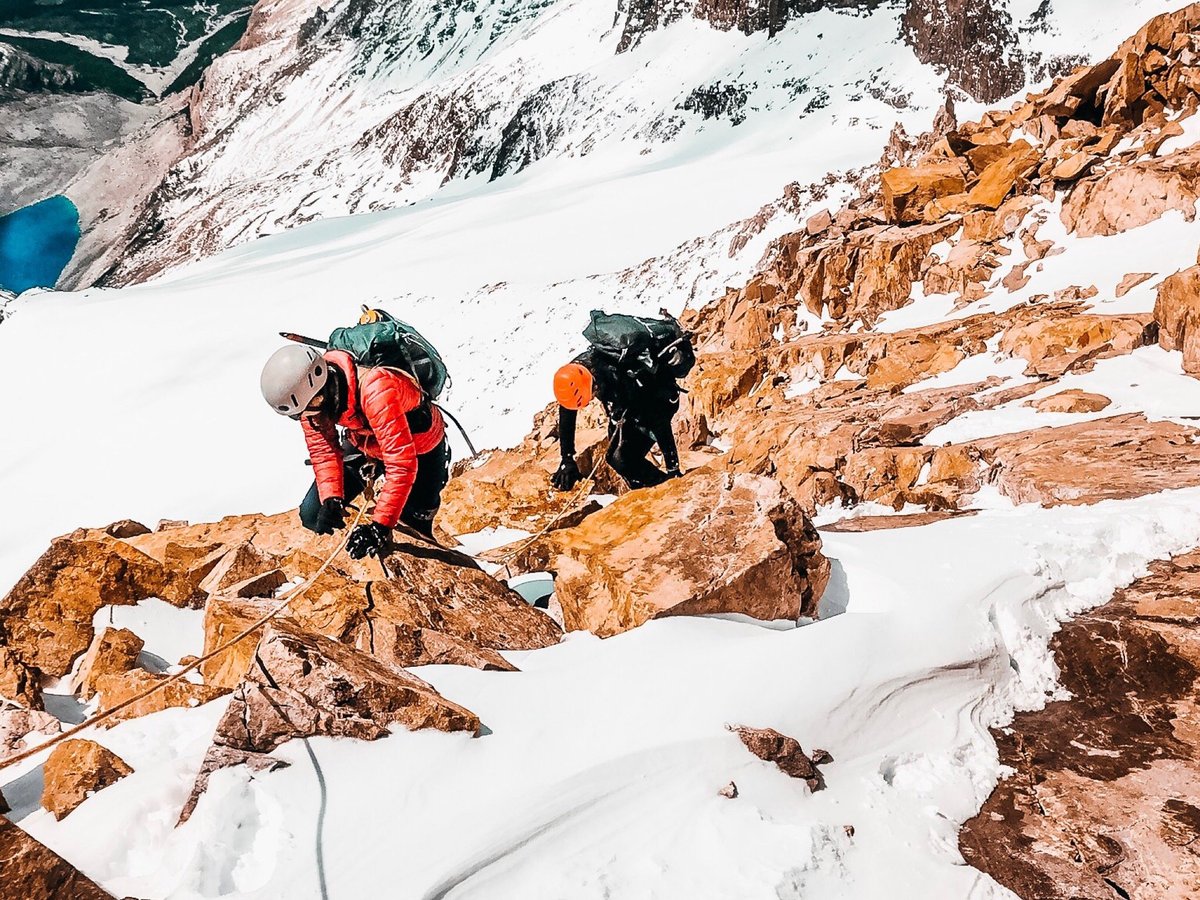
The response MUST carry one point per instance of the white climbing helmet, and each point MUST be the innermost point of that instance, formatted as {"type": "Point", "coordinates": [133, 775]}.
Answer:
{"type": "Point", "coordinates": [292, 377]}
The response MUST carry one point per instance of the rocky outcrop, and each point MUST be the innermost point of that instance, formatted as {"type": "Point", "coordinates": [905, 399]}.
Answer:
{"type": "Point", "coordinates": [75, 770]}
{"type": "Point", "coordinates": [711, 542]}
{"type": "Point", "coordinates": [46, 619]}
{"type": "Point", "coordinates": [17, 725]}
{"type": "Point", "coordinates": [113, 652]}
{"type": "Point", "coordinates": [771, 746]}
{"type": "Point", "coordinates": [974, 42]}
{"type": "Point", "coordinates": [1102, 797]}
{"type": "Point", "coordinates": [303, 685]}
{"type": "Point", "coordinates": [1072, 401]}
{"type": "Point", "coordinates": [1177, 312]}
{"type": "Point", "coordinates": [113, 690]}
{"type": "Point", "coordinates": [34, 872]}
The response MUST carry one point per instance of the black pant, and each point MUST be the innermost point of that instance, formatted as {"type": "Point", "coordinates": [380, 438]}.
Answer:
{"type": "Point", "coordinates": [433, 471]}
{"type": "Point", "coordinates": [628, 446]}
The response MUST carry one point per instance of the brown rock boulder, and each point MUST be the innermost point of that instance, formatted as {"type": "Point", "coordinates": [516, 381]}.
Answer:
{"type": "Point", "coordinates": [771, 746]}
{"type": "Point", "coordinates": [1116, 458]}
{"type": "Point", "coordinates": [706, 543]}
{"type": "Point", "coordinates": [1072, 401]}
{"type": "Point", "coordinates": [224, 619]}
{"type": "Point", "coordinates": [113, 651]}
{"type": "Point", "coordinates": [34, 872]}
{"type": "Point", "coordinates": [303, 685]}
{"type": "Point", "coordinates": [998, 179]}
{"type": "Point", "coordinates": [75, 770]}
{"type": "Point", "coordinates": [1136, 194]}
{"type": "Point", "coordinates": [400, 646]}
{"type": "Point", "coordinates": [18, 683]}
{"type": "Point", "coordinates": [1058, 342]}
{"type": "Point", "coordinates": [18, 724]}
{"type": "Point", "coordinates": [1177, 312]}
{"type": "Point", "coordinates": [907, 191]}
{"type": "Point", "coordinates": [116, 689]}
{"type": "Point", "coordinates": [46, 619]}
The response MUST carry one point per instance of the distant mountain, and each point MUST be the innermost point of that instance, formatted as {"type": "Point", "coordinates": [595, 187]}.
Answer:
{"type": "Point", "coordinates": [73, 73]}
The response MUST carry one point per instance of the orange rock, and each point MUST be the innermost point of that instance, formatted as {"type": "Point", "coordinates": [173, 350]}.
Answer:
{"type": "Point", "coordinates": [113, 651]}
{"type": "Point", "coordinates": [116, 689]}
{"type": "Point", "coordinates": [1133, 195]}
{"type": "Point", "coordinates": [906, 191]}
{"type": "Point", "coordinates": [18, 725]}
{"type": "Point", "coordinates": [400, 646]}
{"type": "Point", "coordinates": [1056, 342]}
{"type": "Point", "coordinates": [224, 619]}
{"type": "Point", "coordinates": [1177, 311]}
{"type": "Point", "coordinates": [47, 616]}
{"type": "Point", "coordinates": [33, 872]}
{"type": "Point", "coordinates": [704, 543]}
{"type": "Point", "coordinates": [75, 770]}
{"type": "Point", "coordinates": [1116, 458]}
{"type": "Point", "coordinates": [244, 561]}
{"type": "Point", "coordinates": [1072, 401]}
{"type": "Point", "coordinates": [1074, 167]}
{"type": "Point", "coordinates": [998, 179]}
{"type": "Point", "coordinates": [1132, 280]}
{"type": "Point", "coordinates": [18, 683]}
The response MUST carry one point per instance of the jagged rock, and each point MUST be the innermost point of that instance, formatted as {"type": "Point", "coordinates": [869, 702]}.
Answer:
{"type": "Point", "coordinates": [401, 645]}
{"type": "Point", "coordinates": [116, 689]}
{"type": "Point", "coordinates": [997, 180]}
{"type": "Point", "coordinates": [705, 543]}
{"type": "Point", "coordinates": [974, 42]}
{"type": "Point", "coordinates": [1134, 195]}
{"type": "Point", "coordinates": [1104, 783]}
{"type": "Point", "coordinates": [224, 618]}
{"type": "Point", "coordinates": [46, 619]}
{"type": "Point", "coordinates": [33, 872]}
{"type": "Point", "coordinates": [75, 770]}
{"type": "Point", "coordinates": [771, 746]}
{"type": "Point", "coordinates": [302, 684]}
{"type": "Point", "coordinates": [1132, 280]}
{"type": "Point", "coordinates": [113, 651]}
{"type": "Point", "coordinates": [17, 724]}
{"type": "Point", "coordinates": [18, 683]}
{"type": "Point", "coordinates": [818, 223]}
{"type": "Point", "coordinates": [1072, 401]}
{"type": "Point", "coordinates": [1115, 458]}
{"type": "Point", "coordinates": [126, 528]}
{"type": "Point", "coordinates": [907, 191]}
{"type": "Point", "coordinates": [1057, 343]}
{"type": "Point", "coordinates": [1177, 312]}
{"type": "Point", "coordinates": [242, 563]}
{"type": "Point", "coordinates": [1074, 167]}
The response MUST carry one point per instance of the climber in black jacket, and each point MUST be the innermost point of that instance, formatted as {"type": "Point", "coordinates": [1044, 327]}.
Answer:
{"type": "Point", "coordinates": [640, 404]}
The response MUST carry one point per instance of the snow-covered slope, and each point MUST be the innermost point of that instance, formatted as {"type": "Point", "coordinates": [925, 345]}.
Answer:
{"type": "Point", "coordinates": [363, 106]}
{"type": "Point", "coordinates": [600, 776]}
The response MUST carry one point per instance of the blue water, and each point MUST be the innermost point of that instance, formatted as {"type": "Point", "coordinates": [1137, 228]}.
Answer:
{"type": "Point", "coordinates": [36, 243]}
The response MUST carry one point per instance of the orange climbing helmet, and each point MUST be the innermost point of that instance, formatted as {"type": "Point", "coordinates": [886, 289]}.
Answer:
{"type": "Point", "coordinates": [573, 386]}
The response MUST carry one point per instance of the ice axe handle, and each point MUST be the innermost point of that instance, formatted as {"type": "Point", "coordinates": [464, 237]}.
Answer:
{"type": "Point", "coordinates": [301, 339]}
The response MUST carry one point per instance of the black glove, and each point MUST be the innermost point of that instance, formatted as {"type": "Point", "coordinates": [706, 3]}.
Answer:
{"type": "Point", "coordinates": [332, 516]}
{"type": "Point", "coordinates": [369, 539]}
{"type": "Point", "coordinates": [567, 476]}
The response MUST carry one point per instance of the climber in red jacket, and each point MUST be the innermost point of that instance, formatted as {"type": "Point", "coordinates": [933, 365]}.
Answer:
{"type": "Point", "coordinates": [387, 420]}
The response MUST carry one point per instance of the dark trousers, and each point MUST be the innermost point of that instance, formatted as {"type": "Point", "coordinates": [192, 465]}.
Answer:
{"type": "Point", "coordinates": [433, 471]}
{"type": "Point", "coordinates": [628, 447]}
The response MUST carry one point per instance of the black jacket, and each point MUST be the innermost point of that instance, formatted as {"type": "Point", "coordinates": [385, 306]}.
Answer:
{"type": "Point", "coordinates": [633, 399]}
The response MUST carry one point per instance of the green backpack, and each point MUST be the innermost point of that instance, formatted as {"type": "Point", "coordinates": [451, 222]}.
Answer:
{"type": "Point", "coordinates": [382, 340]}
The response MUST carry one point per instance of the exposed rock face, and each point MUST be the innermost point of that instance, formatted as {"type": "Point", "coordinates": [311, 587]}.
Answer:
{"type": "Point", "coordinates": [75, 770]}
{"type": "Point", "coordinates": [1134, 195]}
{"type": "Point", "coordinates": [976, 43]}
{"type": "Point", "coordinates": [1073, 401]}
{"type": "Point", "coordinates": [17, 683]}
{"type": "Point", "coordinates": [116, 689]}
{"type": "Point", "coordinates": [1103, 797]}
{"type": "Point", "coordinates": [113, 652]}
{"type": "Point", "coordinates": [771, 746]}
{"type": "Point", "coordinates": [1177, 311]}
{"type": "Point", "coordinates": [17, 724]}
{"type": "Point", "coordinates": [46, 619]}
{"type": "Point", "coordinates": [302, 685]}
{"type": "Point", "coordinates": [709, 542]}
{"type": "Point", "coordinates": [907, 191]}
{"type": "Point", "coordinates": [34, 872]}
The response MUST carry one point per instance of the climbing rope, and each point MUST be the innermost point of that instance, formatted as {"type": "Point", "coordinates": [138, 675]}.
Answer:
{"type": "Point", "coordinates": [285, 601]}
{"type": "Point", "coordinates": [507, 559]}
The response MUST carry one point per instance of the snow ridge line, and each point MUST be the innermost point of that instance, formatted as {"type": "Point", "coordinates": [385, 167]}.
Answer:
{"type": "Point", "coordinates": [284, 603]}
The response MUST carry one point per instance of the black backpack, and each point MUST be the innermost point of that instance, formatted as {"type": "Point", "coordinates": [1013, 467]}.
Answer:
{"type": "Point", "coordinates": [640, 344]}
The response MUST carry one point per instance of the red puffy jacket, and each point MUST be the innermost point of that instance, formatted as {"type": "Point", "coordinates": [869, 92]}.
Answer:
{"type": "Point", "coordinates": [376, 403]}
